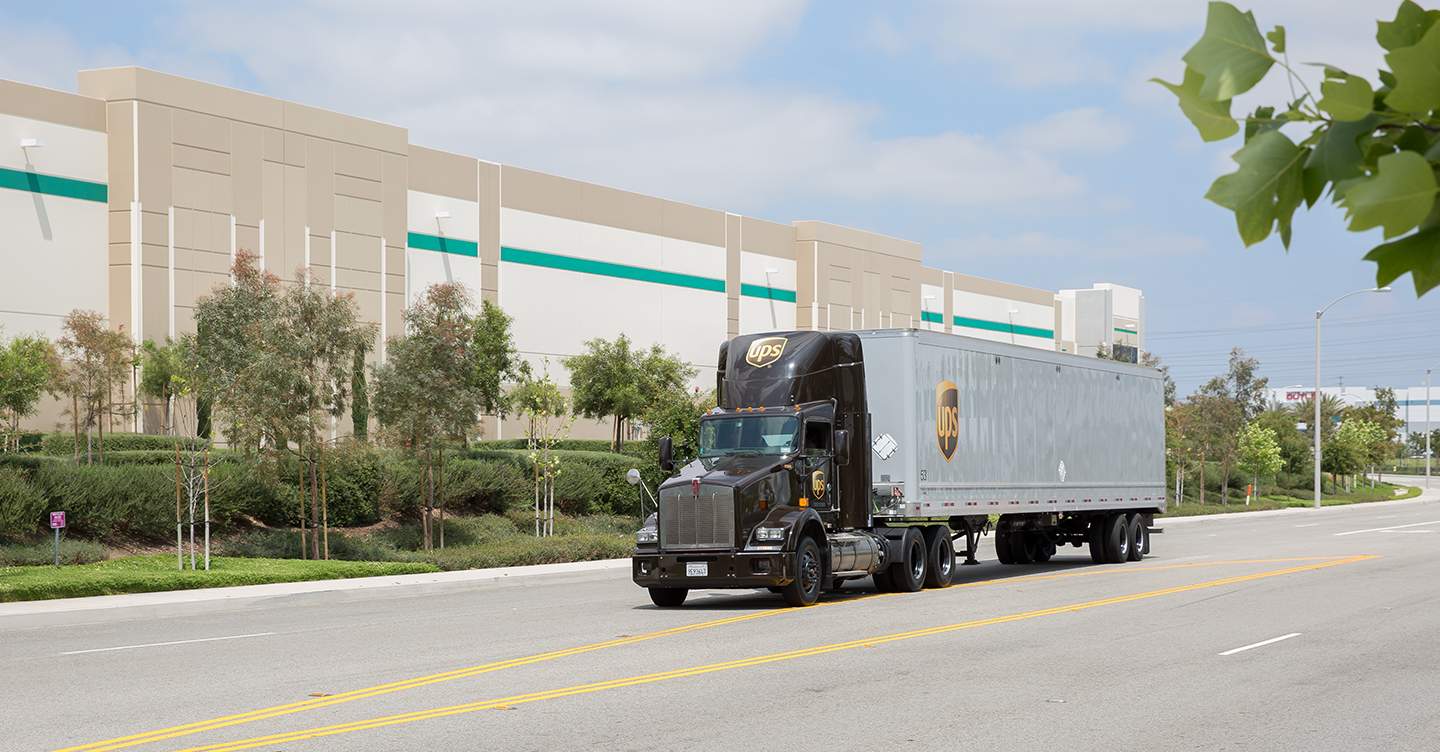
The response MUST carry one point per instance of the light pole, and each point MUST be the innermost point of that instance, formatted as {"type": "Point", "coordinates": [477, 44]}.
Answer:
{"type": "Point", "coordinates": [1427, 423]}
{"type": "Point", "coordinates": [1318, 314]}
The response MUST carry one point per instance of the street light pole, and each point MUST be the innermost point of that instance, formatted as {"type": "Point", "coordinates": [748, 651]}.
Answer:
{"type": "Point", "coordinates": [1427, 423]}
{"type": "Point", "coordinates": [1318, 314]}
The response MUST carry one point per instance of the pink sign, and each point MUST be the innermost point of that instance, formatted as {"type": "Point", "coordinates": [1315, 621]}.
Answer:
{"type": "Point", "coordinates": [57, 520]}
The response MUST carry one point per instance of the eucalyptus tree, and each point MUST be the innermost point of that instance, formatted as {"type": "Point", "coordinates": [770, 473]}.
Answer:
{"type": "Point", "coordinates": [96, 358]}
{"type": "Point", "coordinates": [29, 364]}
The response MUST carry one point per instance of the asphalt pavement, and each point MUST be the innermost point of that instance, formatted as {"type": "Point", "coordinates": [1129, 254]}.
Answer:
{"type": "Point", "coordinates": [1300, 629]}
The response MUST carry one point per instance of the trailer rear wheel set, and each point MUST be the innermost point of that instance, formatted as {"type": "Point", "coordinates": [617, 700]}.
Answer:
{"type": "Point", "coordinates": [1113, 538]}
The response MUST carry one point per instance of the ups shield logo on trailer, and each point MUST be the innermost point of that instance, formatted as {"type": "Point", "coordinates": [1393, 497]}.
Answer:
{"type": "Point", "coordinates": [765, 351]}
{"type": "Point", "coordinates": [817, 484]}
{"type": "Point", "coordinates": [947, 418]}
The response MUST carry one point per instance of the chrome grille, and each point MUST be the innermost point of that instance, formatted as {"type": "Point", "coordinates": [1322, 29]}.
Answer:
{"type": "Point", "coordinates": [688, 520]}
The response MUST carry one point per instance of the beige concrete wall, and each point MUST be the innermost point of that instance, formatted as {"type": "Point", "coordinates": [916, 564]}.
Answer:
{"type": "Point", "coordinates": [852, 279]}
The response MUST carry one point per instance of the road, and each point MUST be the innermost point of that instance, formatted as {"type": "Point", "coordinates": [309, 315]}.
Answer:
{"type": "Point", "coordinates": [1068, 655]}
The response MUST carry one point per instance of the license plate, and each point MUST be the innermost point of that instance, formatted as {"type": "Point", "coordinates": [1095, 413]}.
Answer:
{"type": "Point", "coordinates": [697, 569]}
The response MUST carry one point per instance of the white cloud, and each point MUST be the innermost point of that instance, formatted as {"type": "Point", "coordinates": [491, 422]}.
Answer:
{"type": "Point", "coordinates": [881, 34]}
{"type": "Point", "coordinates": [1088, 129]}
{"type": "Point", "coordinates": [1123, 242]}
{"type": "Point", "coordinates": [46, 55]}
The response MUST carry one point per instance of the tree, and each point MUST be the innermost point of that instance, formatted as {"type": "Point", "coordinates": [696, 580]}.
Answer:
{"type": "Point", "coordinates": [160, 369]}
{"type": "Point", "coordinates": [1381, 413]}
{"type": "Point", "coordinates": [1259, 452]}
{"type": "Point", "coordinates": [611, 380]}
{"type": "Point", "coordinates": [427, 392]}
{"type": "Point", "coordinates": [276, 363]}
{"type": "Point", "coordinates": [359, 396]}
{"type": "Point", "coordinates": [1350, 448]}
{"type": "Point", "coordinates": [1294, 449]}
{"type": "Point", "coordinates": [541, 401]}
{"type": "Point", "coordinates": [1373, 147]}
{"type": "Point", "coordinates": [496, 361]}
{"type": "Point", "coordinates": [1217, 423]}
{"type": "Point", "coordinates": [677, 415]}
{"type": "Point", "coordinates": [1245, 391]}
{"type": "Point", "coordinates": [96, 359]}
{"type": "Point", "coordinates": [28, 367]}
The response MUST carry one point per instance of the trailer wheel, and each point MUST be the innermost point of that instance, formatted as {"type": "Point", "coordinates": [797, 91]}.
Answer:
{"type": "Point", "coordinates": [1135, 531]}
{"type": "Point", "coordinates": [668, 597]}
{"type": "Point", "coordinates": [1145, 546]}
{"type": "Point", "coordinates": [940, 569]}
{"type": "Point", "coordinates": [1022, 547]}
{"type": "Point", "coordinates": [1096, 537]}
{"type": "Point", "coordinates": [804, 590]}
{"type": "Point", "coordinates": [1003, 550]}
{"type": "Point", "coordinates": [1044, 548]}
{"type": "Point", "coordinates": [1117, 539]}
{"type": "Point", "coordinates": [908, 574]}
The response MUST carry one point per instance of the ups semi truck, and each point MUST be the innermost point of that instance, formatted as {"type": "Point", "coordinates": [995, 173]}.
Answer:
{"type": "Point", "coordinates": [834, 456]}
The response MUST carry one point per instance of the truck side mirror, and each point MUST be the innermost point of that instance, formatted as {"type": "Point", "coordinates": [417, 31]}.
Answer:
{"type": "Point", "coordinates": [665, 463]}
{"type": "Point", "coordinates": [842, 447]}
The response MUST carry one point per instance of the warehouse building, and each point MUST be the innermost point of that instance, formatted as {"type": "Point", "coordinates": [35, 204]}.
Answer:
{"type": "Point", "coordinates": [132, 197]}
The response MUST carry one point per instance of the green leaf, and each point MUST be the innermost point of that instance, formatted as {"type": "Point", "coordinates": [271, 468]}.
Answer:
{"type": "Point", "coordinates": [1262, 121]}
{"type": "Point", "coordinates": [1268, 163]}
{"type": "Point", "coordinates": [1410, 24]}
{"type": "Point", "coordinates": [1277, 39]}
{"type": "Point", "coordinates": [1387, 79]}
{"type": "Point", "coordinates": [1212, 119]}
{"type": "Point", "coordinates": [1348, 100]}
{"type": "Point", "coordinates": [1418, 254]}
{"type": "Point", "coordinates": [1337, 157]}
{"type": "Point", "coordinates": [1397, 197]}
{"type": "Point", "coordinates": [1417, 75]}
{"type": "Point", "coordinates": [1289, 192]}
{"type": "Point", "coordinates": [1231, 55]}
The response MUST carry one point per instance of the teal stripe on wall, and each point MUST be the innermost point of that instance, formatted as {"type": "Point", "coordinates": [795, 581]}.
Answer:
{"type": "Point", "coordinates": [1124, 331]}
{"type": "Point", "coordinates": [443, 245]}
{"type": "Point", "coordinates": [995, 326]}
{"type": "Point", "coordinates": [932, 317]}
{"type": "Point", "coordinates": [607, 269]}
{"type": "Point", "coordinates": [51, 185]}
{"type": "Point", "coordinates": [769, 293]}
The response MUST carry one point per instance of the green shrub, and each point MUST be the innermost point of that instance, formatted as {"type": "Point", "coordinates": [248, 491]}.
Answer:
{"type": "Point", "coordinates": [100, 501]}
{"type": "Point", "coordinates": [43, 553]}
{"type": "Point", "coordinates": [22, 505]}
{"type": "Point", "coordinates": [63, 444]}
{"type": "Point", "coordinates": [589, 482]}
{"type": "Point", "coordinates": [28, 462]}
{"type": "Point", "coordinates": [483, 486]}
{"type": "Point", "coordinates": [152, 457]}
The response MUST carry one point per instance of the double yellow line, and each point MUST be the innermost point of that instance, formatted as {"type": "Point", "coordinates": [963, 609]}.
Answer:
{"type": "Point", "coordinates": [506, 702]}
{"type": "Point", "coordinates": [343, 697]}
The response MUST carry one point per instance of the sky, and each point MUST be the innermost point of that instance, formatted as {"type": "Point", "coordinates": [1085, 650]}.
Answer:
{"type": "Point", "coordinates": [1020, 141]}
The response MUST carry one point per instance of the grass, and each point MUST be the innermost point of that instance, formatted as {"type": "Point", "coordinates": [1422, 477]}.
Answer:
{"type": "Point", "coordinates": [150, 574]}
{"type": "Point", "coordinates": [1382, 492]}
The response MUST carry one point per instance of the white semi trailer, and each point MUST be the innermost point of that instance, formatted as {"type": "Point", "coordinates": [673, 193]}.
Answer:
{"type": "Point", "coordinates": [839, 455]}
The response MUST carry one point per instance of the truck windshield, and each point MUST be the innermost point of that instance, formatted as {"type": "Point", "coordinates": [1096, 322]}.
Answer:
{"type": "Point", "coordinates": [750, 434]}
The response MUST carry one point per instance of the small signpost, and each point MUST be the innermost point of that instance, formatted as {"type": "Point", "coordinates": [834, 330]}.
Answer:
{"type": "Point", "coordinates": [57, 521]}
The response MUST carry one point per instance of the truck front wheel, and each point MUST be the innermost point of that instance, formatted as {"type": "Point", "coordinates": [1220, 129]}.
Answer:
{"type": "Point", "coordinates": [668, 597]}
{"type": "Point", "coordinates": [804, 590]}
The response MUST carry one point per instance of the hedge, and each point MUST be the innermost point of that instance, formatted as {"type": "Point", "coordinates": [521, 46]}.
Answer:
{"type": "Point", "coordinates": [632, 448]}
{"type": "Point", "coordinates": [63, 444]}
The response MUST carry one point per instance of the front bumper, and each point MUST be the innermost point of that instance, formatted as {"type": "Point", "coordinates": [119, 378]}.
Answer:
{"type": "Point", "coordinates": [724, 569]}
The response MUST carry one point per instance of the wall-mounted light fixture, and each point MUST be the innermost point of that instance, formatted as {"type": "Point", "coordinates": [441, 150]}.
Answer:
{"type": "Point", "coordinates": [32, 143]}
{"type": "Point", "coordinates": [443, 215]}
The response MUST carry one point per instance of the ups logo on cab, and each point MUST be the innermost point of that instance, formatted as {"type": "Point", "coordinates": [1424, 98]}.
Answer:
{"type": "Point", "coordinates": [947, 418]}
{"type": "Point", "coordinates": [765, 351]}
{"type": "Point", "coordinates": [817, 484]}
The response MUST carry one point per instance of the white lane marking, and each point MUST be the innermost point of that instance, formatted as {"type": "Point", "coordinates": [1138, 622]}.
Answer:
{"type": "Point", "coordinates": [1407, 531]}
{"type": "Point", "coordinates": [1261, 644]}
{"type": "Point", "coordinates": [1387, 517]}
{"type": "Point", "coordinates": [1392, 527]}
{"type": "Point", "coordinates": [1308, 524]}
{"type": "Point", "coordinates": [177, 642]}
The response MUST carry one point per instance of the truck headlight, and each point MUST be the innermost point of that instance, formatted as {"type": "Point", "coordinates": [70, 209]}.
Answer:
{"type": "Point", "coordinates": [647, 536]}
{"type": "Point", "coordinates": [769, 533]}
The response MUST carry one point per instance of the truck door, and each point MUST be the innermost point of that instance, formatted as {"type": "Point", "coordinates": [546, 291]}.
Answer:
{"type": "Point", "coordinates": [821, 483]}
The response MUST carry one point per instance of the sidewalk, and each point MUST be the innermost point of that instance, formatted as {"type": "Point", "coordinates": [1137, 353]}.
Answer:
{"type": "Point", "coordinates": [106, 608]}
{"type": "Point", "coordinates": [1426, 497]}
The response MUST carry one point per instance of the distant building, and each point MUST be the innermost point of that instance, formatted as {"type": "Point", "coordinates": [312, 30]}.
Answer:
{"type": "Point", "coordinates": [1409, 402]}
{"type": "Point", "coordinates": [132, 197]}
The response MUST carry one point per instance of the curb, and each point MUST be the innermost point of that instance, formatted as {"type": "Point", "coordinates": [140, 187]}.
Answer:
{"type": "Point", "coordinates": [108, 608]}
{"type": "Point", "coordinates": [1425, 497]}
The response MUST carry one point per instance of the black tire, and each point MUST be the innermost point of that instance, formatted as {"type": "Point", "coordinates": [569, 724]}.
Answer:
{"type": "Point", "coordinates": [1044, 549]}
{"type": "Point", "coordinates": [804, 590]}
{"type": "Point", "coordinates": [668, 597]}
{"type": "Point", "coordinates": [1096, 538]}
{"type": "Point", "coordinates": [908, 574]}
{"type": "Point", "coordinates": [940, 569]}
{"type": "Point", "coordinates": [882, 581]}
{"type": "Point", "coordinates": [1022, 547]}
{"type": "Point", "coordinates": [1135, 531]}
{"type": "Point", "coordinates": [1003, 550]}
{"type": "Point", "coordinates": [1117, 539]}
{"type": "Point", "coordinates": [1145, 530]}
